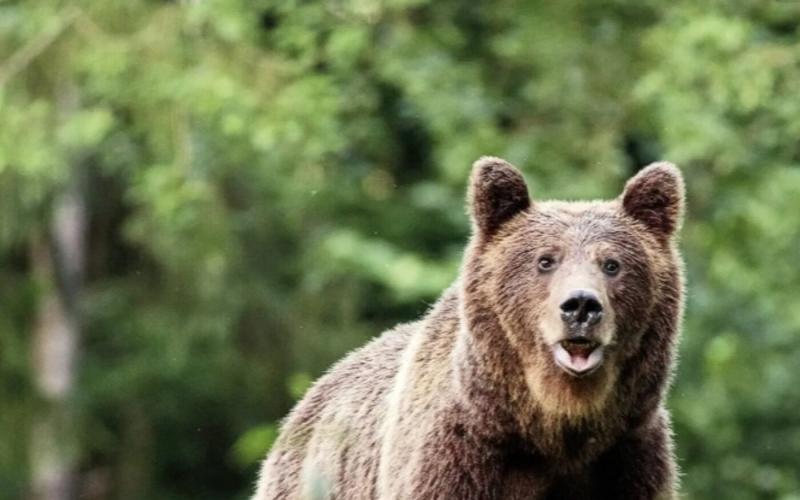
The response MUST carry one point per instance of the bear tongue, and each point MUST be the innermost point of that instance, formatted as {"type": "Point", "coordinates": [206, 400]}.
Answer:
{"type": "Point", "coordinates": [580, 357]}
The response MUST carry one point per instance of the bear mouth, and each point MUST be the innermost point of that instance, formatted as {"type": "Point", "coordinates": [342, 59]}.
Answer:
{"type": "Point", "coordinates": [579, 357]}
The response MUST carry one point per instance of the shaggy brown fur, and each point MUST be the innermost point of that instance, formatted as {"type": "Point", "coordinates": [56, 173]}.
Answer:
{"type": "Point", "coordinates": [472, 402]}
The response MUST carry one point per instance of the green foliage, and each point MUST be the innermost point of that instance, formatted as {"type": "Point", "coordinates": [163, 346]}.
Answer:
{"type": "Point", "coordinates": [254, 444]}
{"type": "Point", "coordinates": [272, 183]}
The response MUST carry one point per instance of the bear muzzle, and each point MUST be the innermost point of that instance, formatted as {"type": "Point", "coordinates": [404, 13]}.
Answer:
{"type": "Point", "coordinates": [580, 353]}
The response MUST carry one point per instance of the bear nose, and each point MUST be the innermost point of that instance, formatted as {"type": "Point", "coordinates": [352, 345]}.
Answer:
{"type": "Point", "coordinates": [582, 308]}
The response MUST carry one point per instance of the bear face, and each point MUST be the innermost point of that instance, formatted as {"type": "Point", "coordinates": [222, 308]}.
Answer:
{"type": "Point", "coordinates": [574, 286]}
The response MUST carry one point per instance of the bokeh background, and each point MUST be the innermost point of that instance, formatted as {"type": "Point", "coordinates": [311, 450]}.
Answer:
{"type": "Point", "coordinates": [203, 204]}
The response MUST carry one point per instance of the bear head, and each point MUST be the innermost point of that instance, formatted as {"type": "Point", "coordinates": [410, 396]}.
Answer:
{"type": "Point", "coordinates": [574, 287]}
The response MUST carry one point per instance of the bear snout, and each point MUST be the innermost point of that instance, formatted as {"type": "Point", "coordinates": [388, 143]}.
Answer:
{"type": "Point", "coordinates": [581, 310]}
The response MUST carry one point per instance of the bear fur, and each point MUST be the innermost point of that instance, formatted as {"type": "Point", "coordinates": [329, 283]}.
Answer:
{"type": "Point", "coordinates": [490, 395]}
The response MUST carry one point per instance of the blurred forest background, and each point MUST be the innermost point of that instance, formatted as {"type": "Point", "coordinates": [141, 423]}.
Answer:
{"type": "Point", "coordinates": [203, 204]}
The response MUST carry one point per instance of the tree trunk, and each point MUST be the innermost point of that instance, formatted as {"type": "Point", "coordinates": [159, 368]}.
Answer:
{"type": "Point", "coordinates": [58, 261]}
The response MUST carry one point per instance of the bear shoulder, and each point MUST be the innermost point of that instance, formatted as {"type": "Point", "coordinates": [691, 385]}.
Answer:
{"type": "Point", "coordinates": [344, 407]}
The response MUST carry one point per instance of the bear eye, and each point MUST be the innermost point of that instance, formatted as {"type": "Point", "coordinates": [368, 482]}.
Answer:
{"type": "Point", "coordinates": [610, 267]}
{"type": "Point", "coordinates": [546, 263]}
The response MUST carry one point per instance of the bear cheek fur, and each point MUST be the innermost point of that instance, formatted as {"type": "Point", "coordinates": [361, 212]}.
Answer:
{"type": "Point", "coordinates": [632, 293]}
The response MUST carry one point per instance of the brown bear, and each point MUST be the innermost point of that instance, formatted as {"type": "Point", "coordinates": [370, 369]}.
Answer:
{"type": "Point", "coordinates": [540, 374]}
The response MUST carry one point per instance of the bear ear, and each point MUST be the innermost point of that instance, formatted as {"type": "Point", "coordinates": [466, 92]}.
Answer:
{"type": "Point", "coordinates": [497, 192]}
{"type": "Point", "coordinates": [654, 197]}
